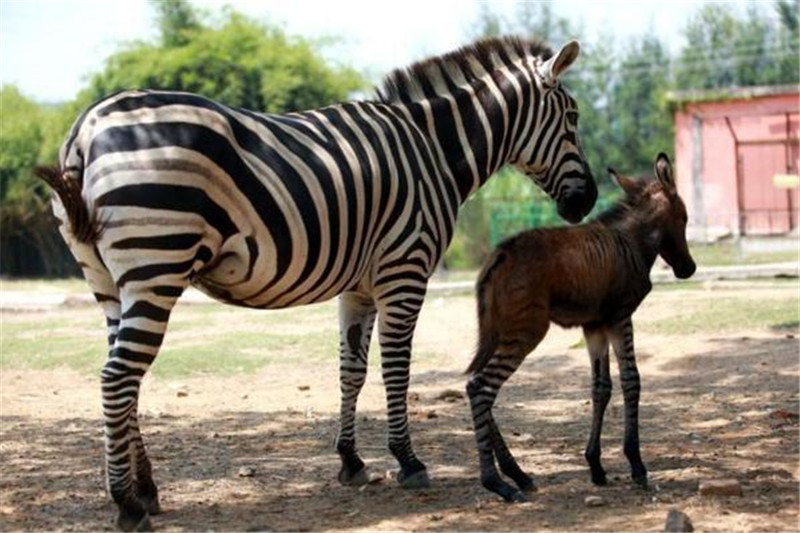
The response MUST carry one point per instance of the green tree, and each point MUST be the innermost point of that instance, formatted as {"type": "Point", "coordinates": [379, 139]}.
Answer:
{"type": "Point", "coordinates": [240, 62]}
{"type": "Point", "coordinates": [176, 20]}
{"type": "Point", "coordinates": [726, 49]}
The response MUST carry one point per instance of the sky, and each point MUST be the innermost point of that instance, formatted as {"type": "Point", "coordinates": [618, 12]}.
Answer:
{"type": "Point", "coordinates": [48, 48]}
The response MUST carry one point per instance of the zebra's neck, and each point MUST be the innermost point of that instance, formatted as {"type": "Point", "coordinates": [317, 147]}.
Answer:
{"type": "Point", "coordinates": [475, 106]}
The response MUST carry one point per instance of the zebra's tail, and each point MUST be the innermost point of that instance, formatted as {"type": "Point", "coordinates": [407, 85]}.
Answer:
{"type": "Point", "coordinates": [68, 189]}
{"type": "Point", "coordinates": [487, 333]}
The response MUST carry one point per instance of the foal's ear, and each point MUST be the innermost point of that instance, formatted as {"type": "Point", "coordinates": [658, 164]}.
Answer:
{"type": "Point", "coordinates": [626, 184]}
{"type": "Point", "coordinates": [664, 173]}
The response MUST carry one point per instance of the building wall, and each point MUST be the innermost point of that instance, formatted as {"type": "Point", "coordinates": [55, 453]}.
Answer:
{"type": "Point", "coordinates": [754, 119]}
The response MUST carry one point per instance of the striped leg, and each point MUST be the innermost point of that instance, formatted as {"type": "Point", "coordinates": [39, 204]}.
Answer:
{"type": "Point", "coordinates": [621, 336]}
{"type": "Point", "coordinates": [597, 344]}
{"type": "Point", "coordinates": [356, 320]}
{"type": "Point", "coordinates": [396, 324]}
{"type": "Point", "coordinates": [141, 330]}
{"type": "Point", "coordinates": [482, 390]}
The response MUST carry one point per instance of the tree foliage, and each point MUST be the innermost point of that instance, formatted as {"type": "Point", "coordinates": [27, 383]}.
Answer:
{"type": "Point", "coordinates": [238, 61]}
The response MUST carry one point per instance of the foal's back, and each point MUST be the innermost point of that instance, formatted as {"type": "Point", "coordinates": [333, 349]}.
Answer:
{"type": "Point", "coordinates": [571, 274]}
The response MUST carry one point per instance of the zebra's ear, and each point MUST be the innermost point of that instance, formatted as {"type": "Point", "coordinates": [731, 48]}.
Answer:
{"type": "Point", "coordinates": [557, 65]}
{"type": "Point", "coordinates": [626, 184]}
{"type": "Point", "coordinates": [664, 172]}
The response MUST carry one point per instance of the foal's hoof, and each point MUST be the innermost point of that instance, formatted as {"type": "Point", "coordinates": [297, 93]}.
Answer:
{"type": "Point", "coordinates": [151, 504]}
{"type": "Point", "coordinates": [417, 480]}
{"type": "Point", "coordinates": [599, 478]}
{"type": "Point", "coordinates": [125, 522]}
{"type": "Point", "coordinates": [641, 481]}
{"type": "Point", "coordinates": [353, 480]}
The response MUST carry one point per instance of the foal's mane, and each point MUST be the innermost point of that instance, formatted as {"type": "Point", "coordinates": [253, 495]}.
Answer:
{"type": "Point", "coordinates": [406, 84]}
{"type": "Point", "coordinates": [627, 206]}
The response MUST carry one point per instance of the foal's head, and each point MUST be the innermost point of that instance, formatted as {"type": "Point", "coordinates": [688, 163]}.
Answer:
{"type": "Point", "coordinates": [657, 206]}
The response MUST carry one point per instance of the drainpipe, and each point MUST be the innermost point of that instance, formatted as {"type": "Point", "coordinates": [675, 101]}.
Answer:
{"type": "Point", "coordinates": [698, 206]}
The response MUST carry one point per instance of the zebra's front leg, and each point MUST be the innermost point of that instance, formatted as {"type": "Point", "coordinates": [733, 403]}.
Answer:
{"type": "Point", "coordinates": [356, 319]}
{"type": "Point", "coordinates": [597, 344]}
{"type": "Point", "coordinates": [396, 325]}
{"type": "Point", "coordinates": [621, 336]}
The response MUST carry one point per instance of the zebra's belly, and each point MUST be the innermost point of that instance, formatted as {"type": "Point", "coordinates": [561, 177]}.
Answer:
{"type": "Point", "coordinates": [245, 272]}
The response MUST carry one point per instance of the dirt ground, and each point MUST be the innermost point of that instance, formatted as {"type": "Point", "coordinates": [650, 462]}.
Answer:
{"type": "Point", "coordinates": [714, 405]}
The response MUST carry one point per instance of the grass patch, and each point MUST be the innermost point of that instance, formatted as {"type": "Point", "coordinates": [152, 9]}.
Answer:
{"type": "Point", "coordinates": [724, 315]}
{"type": "Point", "coordinates": [729, 253]}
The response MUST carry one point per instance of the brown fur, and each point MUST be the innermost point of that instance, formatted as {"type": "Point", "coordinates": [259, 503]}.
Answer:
{"type": "Point", "coordinates": [69, 191]}
{"type": "Point", "coordinates": [594, 273]}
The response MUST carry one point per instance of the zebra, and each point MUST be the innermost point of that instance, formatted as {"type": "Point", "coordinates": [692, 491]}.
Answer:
{"type": "Point", "coordinates": [160, 190]}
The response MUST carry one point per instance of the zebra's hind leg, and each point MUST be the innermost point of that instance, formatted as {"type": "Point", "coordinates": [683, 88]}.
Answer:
{"type": "Point", "coordinates": [145, 312]}
{"type": "Point", "coordinates": [356, 320]}
{"type": "Point", "coordinates": [482, 389]}
{"type": "Point", "coordinates": [399, 309]}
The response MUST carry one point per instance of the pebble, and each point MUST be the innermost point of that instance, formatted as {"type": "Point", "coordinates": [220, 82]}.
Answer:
{"type": "Point", "coordinates": [594, 501]}
{"type": "Point", "coordinates": [720, 487]}
{"type": "Point", "coordinates": [182, 393]}
{"type": "Point", "coordinates": [678, 522]}
{"type": "Point", "coordinates": [247, 471]}
{"type": "Point", "coordinates": [450, 395]}
{"type": "Point", "coordinates": [303, 387]}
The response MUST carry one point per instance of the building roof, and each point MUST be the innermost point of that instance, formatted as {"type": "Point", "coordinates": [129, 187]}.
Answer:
{"type": "Point", "coordinates": [732, 93]}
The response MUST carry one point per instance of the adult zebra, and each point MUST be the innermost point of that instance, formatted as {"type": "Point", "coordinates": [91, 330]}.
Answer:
{"type": "Point", "coordinates": [157, 191]}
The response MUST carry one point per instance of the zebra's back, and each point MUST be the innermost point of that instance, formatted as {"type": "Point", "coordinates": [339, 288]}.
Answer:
{"type": "Point", "coordinates": [260, 210]}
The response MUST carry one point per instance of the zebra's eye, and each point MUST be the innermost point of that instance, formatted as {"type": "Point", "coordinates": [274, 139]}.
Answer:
{"type": "Point", "coordinates": [572, 118]}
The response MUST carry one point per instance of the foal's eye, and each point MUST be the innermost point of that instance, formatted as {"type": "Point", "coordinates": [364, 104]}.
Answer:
{"type": "Point", "coordinates": [572, 118]}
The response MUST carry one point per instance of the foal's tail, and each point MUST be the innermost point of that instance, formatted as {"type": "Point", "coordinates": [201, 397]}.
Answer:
{"type": "Point", "coordinates": [69, 191]}
{"type": "Point", "coordinates": [487, 332]}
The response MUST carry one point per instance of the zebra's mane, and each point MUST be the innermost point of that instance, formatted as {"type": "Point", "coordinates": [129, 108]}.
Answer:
{"type": "Point", "coordinates": [407, 84]}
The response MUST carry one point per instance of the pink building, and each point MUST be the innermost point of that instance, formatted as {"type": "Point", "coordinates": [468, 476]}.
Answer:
{"type": "Point", "coordinates": [733, 151]}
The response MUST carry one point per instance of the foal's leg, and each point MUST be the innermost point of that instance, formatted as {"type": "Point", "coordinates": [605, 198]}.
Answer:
{"type": "Point", "coordinates": [356, 319]}
{"type": "Point", "coordinates": [482, 390]}
{"type": "Point", "coordinates": [597, 344]}
{"type": "Point", "coordinates": [621, 336]}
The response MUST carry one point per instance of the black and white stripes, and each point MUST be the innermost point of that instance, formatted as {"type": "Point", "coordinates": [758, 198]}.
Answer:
{"type": "Point", "coordinates": [269, 211]}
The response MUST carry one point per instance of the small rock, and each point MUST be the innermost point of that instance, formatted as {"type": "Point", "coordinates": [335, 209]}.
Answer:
{"type": "Point", "coordinates": [450, 395]}
{"type": "Point", "coordinates": [245, 396]}
{"type": "Point", "coordinates": [720, 487]}
{"type": "Point", "coordinates": [214, 435]}
{"type": "Point", "coordinates": [182, 393]}
{"type": "Point", "coordinates": [678, 522]}
{"type": "Point", "coordinates": [431, 414]}
{"type": "Point", "coordinates": [303, 387]}
{"type": "Point", "coordinates": [247, 471]}
{"type": "Point", "coordinates": [594, 501]}
{"type": "Point", "coordinates": [790, 335]}
{"type": "Point", "coordinates": [436, 517]}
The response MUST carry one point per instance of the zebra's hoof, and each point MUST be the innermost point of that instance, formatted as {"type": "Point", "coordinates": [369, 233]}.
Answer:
{"type": "Point", "coordinates": [528, 487]}
{"type": "Point", "coordinates": [417, 480]}
{"type": "Point", "coordinates": [127, 523]}
{"type": "Point", "coordinates": [353, 480]}
{"type": "Point", "coordinates": [519, 497]}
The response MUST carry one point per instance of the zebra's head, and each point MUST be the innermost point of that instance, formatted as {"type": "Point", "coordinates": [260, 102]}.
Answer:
{"type": "Point", "coordinates": [552, 153]}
